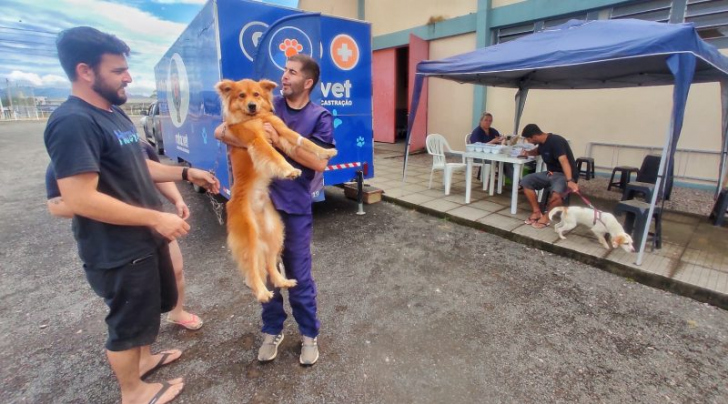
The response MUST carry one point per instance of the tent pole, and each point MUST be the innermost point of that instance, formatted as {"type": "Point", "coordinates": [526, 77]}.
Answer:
{"type": "Point", "coordinates": [682, 67]}
{"type": "Point", "coordinates": [661, 172]}
{"type": "Point", "coordinates": [419, 80]}
{"type": "Point", "coordinates": [724, 135]}
{"type": "Point", "coordinates": [521, 95]}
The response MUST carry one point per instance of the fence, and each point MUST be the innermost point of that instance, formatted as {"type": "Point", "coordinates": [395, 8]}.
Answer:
{"type": "Point", "coordinates": [694, 165]}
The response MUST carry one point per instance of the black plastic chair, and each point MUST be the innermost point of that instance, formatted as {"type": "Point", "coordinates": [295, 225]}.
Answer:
{"type": "Point", "coordinates": [720, 209]}
{"type": "Point", "coordinates": [638, 188]}
{"type": "Point", "coordinates": [625, 177]}
{"type": "Point", "coordinates": [637, 218]}
{"type": "Point", "coordinates": [649, 170]}
{"type": "Point", "coordinates": [588, 173]}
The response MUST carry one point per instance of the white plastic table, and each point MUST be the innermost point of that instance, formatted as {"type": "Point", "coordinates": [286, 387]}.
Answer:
{"type": "Point", "coordinates": [517, 162]}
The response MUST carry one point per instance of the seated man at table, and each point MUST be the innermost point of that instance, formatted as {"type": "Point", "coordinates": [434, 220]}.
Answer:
{"type": "Point", "coordinates": [483, 133]}
{"type": "Point", "coordinates": [559, 160]}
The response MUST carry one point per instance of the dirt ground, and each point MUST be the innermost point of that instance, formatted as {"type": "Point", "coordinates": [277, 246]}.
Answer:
{"type": "Point", "coordinates": [414, 309]}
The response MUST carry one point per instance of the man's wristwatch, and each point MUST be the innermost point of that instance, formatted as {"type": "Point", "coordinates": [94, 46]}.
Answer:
{"type": "Point", "coordinates": [570, 180]}
{"type": "Point", "coordinates": [184, 174]}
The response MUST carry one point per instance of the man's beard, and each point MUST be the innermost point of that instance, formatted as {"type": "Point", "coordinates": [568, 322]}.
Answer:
{"type": "Point", "coordinates": [111, 95]}
{"type": "Point", "coordinates": [292, 91]}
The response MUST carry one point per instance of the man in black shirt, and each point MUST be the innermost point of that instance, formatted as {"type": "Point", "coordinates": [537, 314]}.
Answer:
{"type": "Point", "coordinates": [559, 160]}
{"type": "Point", "coordinates": [108, 185]}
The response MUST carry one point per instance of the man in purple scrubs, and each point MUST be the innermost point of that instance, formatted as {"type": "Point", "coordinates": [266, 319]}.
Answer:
{"type": "Point", "coordinates": [292, 199]}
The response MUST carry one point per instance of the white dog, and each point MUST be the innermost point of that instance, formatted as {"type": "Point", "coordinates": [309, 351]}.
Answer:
{"type": "Point", "coordinates": [605, 223]}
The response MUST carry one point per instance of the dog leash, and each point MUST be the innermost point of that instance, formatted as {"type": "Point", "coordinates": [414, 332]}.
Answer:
{"type": "Point", "coordinates": [217, 207]}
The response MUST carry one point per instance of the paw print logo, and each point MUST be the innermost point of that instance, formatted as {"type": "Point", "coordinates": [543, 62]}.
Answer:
{"type": "Point", "coordinates": [337, 121]}
{"type": "Point", "coordinates": [360, 141]}
{"type": "Point", "coordinates": [290, 47]}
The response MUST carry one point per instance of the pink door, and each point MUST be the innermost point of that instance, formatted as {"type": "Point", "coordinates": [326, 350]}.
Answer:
{"type": "Point", "coordinates": [384, 86]}
{"type": "Point", "coordinates": [419, 50]}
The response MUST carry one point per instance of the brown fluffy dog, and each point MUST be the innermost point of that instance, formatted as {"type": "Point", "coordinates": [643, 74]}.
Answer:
{"type": "Point", "coordinates": [255, 231]}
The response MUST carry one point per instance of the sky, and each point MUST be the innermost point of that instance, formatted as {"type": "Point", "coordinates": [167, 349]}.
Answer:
{"type": "Point", "coordinates": [149, 27]}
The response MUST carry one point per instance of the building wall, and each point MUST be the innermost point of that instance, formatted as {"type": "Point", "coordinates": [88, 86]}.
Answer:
{"type": "Point", "coordinates": [630, 117]}
{"type": "Point", "coordinates": [501, 3]}
{"type": "Point", "coordinates": [634, 116]}
{"type": "Point", "coordinates": [450, 103]}
{"type": "Point", "coordinates": [338, 8]}
{"type": "Point", "coordinates": [389, 16]}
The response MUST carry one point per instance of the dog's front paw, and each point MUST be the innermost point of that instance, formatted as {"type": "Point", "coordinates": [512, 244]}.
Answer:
{"type": "Point", "coordinates": [286, 283]}
{"type": "Point", "coordinates": [327, 154]}
{"type": "Point", "coordinates": [292, 174]}
{"type": "Point", "coordinates": [264, 296]}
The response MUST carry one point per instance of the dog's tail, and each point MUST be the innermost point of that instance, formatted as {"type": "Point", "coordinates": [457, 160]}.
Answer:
{"type": "Point", "coordinates": [556, 210]}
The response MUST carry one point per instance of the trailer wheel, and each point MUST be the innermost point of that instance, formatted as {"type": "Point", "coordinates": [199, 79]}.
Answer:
{"type": "Point", "coordinates": [158, 145]}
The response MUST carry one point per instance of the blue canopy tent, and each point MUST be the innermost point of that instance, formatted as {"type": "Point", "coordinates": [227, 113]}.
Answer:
{"type": "Point", "coordinates": [593, 55]}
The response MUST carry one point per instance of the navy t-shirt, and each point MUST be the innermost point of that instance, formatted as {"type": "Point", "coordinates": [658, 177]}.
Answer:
{"type": "Point", "coordinates": [81, 138]}
{"type": "Point", "coordinates": [313, 122]}
{"type": "Point", "coordinates": [51, 183]}
{"type": "Point", "coordinates": [52, 190]}
{"type": "Point", "coordinates": [479, 136]}
{"type": "Point", "coordinates": [149, 151]}
{"type": "Point", "coordinates": [554, 147]}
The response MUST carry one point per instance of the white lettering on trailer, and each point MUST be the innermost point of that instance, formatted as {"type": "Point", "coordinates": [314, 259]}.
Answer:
{"type": "Point", "coordinates": [338, 90]}
{"type": "Point", "coordinates": [183, 143]}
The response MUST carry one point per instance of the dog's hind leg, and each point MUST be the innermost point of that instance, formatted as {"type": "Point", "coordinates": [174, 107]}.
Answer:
{"type": "Point", "coordinates": [565, 226]}
{"type": "Point", "coordinates": [246, 254]}
{"type": "Point", "coordinates": [557, 229]}
{"type": "Point", "coordinates": [273, 237]}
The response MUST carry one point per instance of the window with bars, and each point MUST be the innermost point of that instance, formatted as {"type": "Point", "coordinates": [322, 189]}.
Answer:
{"type": "Point", "coordinates": [709, 16]}
{"type": "Point", "coordinates": [650, 10]}
{"type": "Point", "coordinates": [513, 32]}
{"type": "Point", "coordinates": [516, 31]}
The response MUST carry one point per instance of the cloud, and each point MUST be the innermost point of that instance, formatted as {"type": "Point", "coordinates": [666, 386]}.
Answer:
{"type": "Point", "coordinates": [32, 53]}
{"type": "Point", "coordinates": [50, 80]}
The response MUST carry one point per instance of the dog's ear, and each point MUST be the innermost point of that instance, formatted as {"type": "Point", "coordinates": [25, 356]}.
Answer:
{"type": "Point", "coordinates": [268, 85]}
{"type": "Point", "coordinates": [616, 241]}
{"type": "Point", "coordinates": [224, 87]}
{"type": "Point", "coordinates": [621, 239]}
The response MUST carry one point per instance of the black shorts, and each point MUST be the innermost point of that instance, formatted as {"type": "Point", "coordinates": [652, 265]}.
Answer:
{"type": "Point", "coordinates": [137, 294]}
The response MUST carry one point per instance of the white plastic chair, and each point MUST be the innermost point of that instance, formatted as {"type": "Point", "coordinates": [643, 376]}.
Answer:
{"type": "Point", "coordinates": [484, 165]}
{"type": "Point", "coordinates": [437, 147]}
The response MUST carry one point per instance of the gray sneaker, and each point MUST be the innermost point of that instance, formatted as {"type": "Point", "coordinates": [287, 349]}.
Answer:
{"type": "Point", "coordinates": [309, 351]}
{"type": "Point", "coordinates": [269, 349]}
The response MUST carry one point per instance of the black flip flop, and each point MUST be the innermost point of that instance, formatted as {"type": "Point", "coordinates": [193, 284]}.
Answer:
{"type": "Point", "coordinates": [540, 225]}
{"type": "Point", "coordinates": [530, 221]}
{"type": "Point", "coordinates": [160, 393]}
{"type": "Point", "coordinates": [159, 364]}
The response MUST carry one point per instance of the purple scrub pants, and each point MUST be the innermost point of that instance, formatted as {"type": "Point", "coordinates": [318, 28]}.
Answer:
{"type": "Point", "coordinates": [302, 297]}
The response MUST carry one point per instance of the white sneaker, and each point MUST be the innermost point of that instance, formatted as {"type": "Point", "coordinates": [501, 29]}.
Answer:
{"type": "Point", "coordinates": [269, 349]}
{"type": "Point", "coordinates": [309, 351]}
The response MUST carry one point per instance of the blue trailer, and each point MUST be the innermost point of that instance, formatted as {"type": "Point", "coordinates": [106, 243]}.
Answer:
{"type": "Point", "coordinates": [236, 39]}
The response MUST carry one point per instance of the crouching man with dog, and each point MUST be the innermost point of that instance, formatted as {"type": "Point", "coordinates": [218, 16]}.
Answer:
{"type": "Point", "coordinates": [121, 230]}
{"type": "Point", "coordinates": [556, 154]}
{"type": "Point", "coordinates": [292, 199]}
